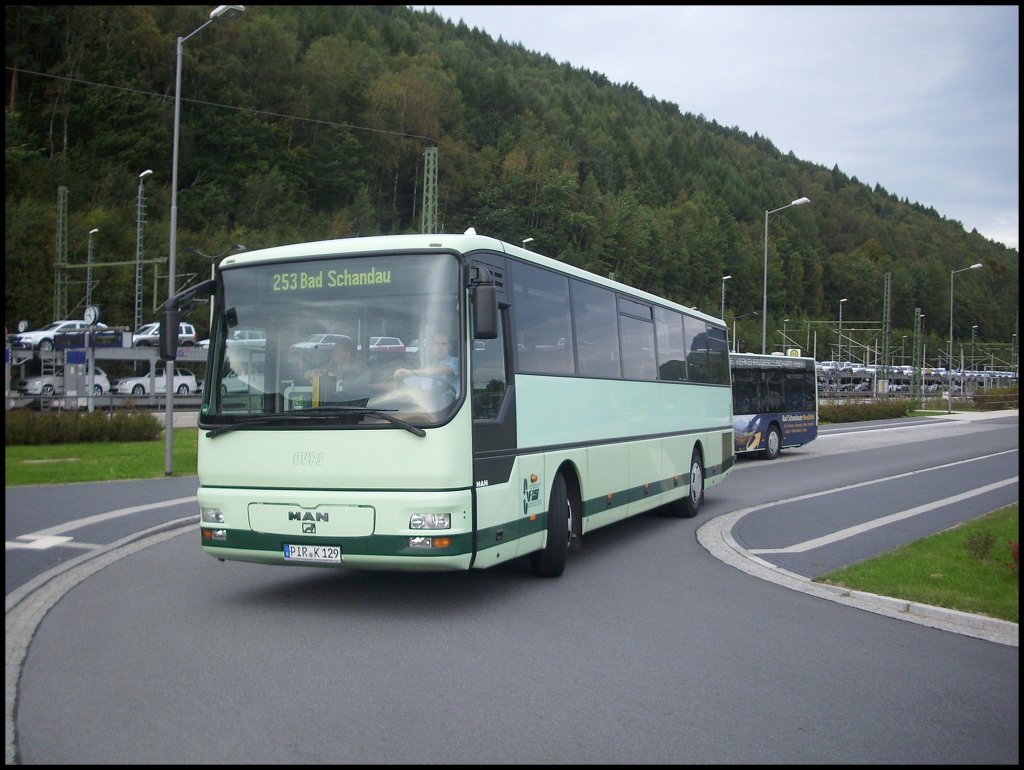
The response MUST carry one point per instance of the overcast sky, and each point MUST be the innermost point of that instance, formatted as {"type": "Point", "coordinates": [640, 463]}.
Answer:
{"type": "Point", "coordinates": [922, 100]}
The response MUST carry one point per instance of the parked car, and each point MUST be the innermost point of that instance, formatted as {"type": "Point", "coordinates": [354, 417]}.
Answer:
{"type": "Point", "coordinates": [138, 385]}
{"type": "Point", "coordinates": [235, 383]}
{"type": "Point", "coordinates": [320, 341]}
{"type": "Point", "coordinates": [386, 345]}
{"type": "Point", "coordinates": [247, 338]}
{"type": "Point", "coordinates": [53, 384]}
{"type": "Point", "coordinates": [42, 339]}
{"type": "Point", "coordinates": [242, 338]}
{"type": "Point", "coordinates": [148, 335]}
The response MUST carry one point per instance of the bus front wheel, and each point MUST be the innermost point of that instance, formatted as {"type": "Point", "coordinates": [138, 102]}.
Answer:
{"type": "Point", "coordinates": [772, 443]}
{"type": "Point", "coordinates": [550, 560]}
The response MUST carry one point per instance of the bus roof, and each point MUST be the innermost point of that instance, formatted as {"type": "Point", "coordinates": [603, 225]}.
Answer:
{"type": "Point", "coordinates": [464, 243]}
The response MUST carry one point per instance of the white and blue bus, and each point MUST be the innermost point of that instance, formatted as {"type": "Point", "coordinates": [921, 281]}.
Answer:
{"type": "Point", "coordinates": [774, 402]}
{"type": "Point", "coordinates": [568, 402]}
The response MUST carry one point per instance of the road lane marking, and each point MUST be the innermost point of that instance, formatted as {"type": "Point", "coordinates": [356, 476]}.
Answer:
{"type": "Point", "coordinates": [42, 543]}
{"type": "Point", "coordinates": [818, 542]}
{"type": "Point", "coordinates": [53, 537]}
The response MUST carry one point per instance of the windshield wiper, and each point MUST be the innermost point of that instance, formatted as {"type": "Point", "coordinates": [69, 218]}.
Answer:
{"type": "Point", "coordinates": [267, 420]}
{"type": "Point", "coordinates": [382, 413]}
{"type": "Point", "coordinates": [317, 413]}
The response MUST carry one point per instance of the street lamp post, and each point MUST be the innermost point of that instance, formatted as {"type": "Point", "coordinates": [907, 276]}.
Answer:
{"type": "Point", "coordinates": [213, 266]}
{"type": "Point", "coordinates": [973, 330]}
{"type": "Point", "coordinates": [839, 352]}
{"type": "Point", "coordinates": [924, 346]}
{"type": "Point", "coordinates": [764, 298]}
{"type": "Point", "coordinates": [88, 270]}
{"type": "Point", "coordinates": [784, 322]}
{"type": "Point", "coordinates": [949, 374]}
{"type": "Point", "coordinates": [141, 218]}
{"type": "Point", "coordinates": [526, 241]}
{"type": "Point", "coordinates": [724, 279]}
{"type": "Point", "coordinates": [216, 13]}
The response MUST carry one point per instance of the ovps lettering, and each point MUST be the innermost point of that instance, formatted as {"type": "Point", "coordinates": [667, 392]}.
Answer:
{"type": "Point", "coordinates": [308, 458]}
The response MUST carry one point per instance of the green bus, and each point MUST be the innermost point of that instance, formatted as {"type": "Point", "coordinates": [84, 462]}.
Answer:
{"type": "Point", "coordinates": [491, 404]}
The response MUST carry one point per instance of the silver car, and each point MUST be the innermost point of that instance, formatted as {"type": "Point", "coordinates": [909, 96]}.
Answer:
{"type": "Point", "coordinates": [43, 338]}
{"type": "Point", "coordinates": [138, 385]}
{"type": "Point", "coordinates": [53, 384]}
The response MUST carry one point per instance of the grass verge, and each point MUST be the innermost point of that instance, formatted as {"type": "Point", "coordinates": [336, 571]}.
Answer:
{"type": "Point", "coordinates": [970, 567]}
{"type": "Point", "coordinates": [100, 461]}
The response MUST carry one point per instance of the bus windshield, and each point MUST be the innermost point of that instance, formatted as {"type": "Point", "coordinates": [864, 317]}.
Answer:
{"type": "Point", "coordinates": [341, 342]}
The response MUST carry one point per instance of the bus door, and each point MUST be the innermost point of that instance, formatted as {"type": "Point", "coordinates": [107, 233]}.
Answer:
{"type": "Point", "coordinates": [492, 400]}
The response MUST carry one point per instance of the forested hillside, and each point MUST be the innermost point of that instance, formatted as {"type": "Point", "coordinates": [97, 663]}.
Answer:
{"type": "Point", "coordinates": [311, 122]}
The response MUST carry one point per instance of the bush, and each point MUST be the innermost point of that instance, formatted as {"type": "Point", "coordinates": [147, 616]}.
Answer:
{"type": "Point", "coordinates": [980, 544]}
{"type": "Point", "coordinates": [997, 398]}
{"type": "Point", "coordinates": [858, 411]}
{"type": "Point", "coordinates": [22, 426]}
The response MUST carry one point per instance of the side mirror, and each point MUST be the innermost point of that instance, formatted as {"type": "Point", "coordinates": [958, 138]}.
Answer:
{"type": "Point", "coordinates": [485, 312]}
{"type": "Point", "coordinates": [169, 319]}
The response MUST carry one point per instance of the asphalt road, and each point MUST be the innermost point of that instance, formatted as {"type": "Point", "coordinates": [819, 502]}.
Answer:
{"type": "Point", "coordinates": [652, 648]}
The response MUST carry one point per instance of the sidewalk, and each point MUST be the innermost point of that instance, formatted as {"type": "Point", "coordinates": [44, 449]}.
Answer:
{"type": "Point", "coordinates": [976, 416]}
{"type": "Point", "coordinates": [183, 418]}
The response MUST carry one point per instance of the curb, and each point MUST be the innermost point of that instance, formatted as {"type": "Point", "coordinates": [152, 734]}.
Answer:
{"type": "Point", "coordinates": [27, 605]}
{"type": "Point", "coordinates": [716, 537]}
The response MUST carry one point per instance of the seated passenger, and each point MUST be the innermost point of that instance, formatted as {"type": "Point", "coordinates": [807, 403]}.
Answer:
{"type": "Point", "coordinates": [345, 372]}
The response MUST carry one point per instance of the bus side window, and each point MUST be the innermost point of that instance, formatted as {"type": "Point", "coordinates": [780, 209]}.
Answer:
{"type": "Point", "coordinates": [540, 306]}
{"type": "Point", "coordinates": [695, 341]}
{"type": "Point", "coordinates": [774, 382]}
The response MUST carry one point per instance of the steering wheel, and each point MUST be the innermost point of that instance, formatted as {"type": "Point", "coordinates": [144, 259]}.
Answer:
{"type": "Point", "coordinates": [404, 382]}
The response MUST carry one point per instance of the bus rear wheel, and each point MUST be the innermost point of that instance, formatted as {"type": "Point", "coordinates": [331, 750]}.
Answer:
{"type": "Point", "coordinates": [689, 506]}
{"type": "Point", "coordinates": [772, 443]}
{"type": "Point", "coordinates": [550, 561]}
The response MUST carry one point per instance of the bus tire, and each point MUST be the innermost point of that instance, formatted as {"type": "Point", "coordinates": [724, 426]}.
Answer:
{"type": "Point", "coordinates": [689, 506]}
{"type": "Point", "coordinates": [772, 442]}
{"type": "Point", "coordinates": [550, 560]}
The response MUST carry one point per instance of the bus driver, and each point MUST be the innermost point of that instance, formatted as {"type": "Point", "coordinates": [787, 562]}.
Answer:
{"type": "Point", "coordinates": [442, 373]}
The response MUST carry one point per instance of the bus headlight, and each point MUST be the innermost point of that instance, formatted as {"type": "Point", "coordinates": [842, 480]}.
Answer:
{"type": "Point", "coordinates": [430, 521]}
{"type": "Point", "coordinates": [211, 515]}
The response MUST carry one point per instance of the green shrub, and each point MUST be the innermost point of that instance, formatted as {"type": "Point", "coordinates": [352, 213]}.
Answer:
{"type": "Point", "coordinates": [980, 544]}
{"type": "Point", "coordinates": [858, 411]}
{"type": "Point", "coordinates": [997, 398]}
{"type": "Point", "coordinates": [130, 426]}
{"type": "Point", "coordinates": [22, 426]}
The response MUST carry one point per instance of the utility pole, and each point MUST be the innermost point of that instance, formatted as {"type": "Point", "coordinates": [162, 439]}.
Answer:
{"type": "Point", "coordinates": [60, 263]}
{"type": "Point", "coordinates": [882, 379]}
{"type": "Point", "coordinates": [429, 224]}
